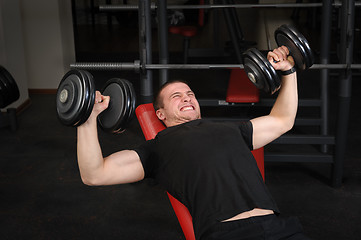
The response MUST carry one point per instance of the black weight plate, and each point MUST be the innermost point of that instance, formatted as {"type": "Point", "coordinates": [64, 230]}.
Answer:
{"type": "Point", "coordinates": [260, 71]}
{"type": "Point", "coordinates": [9, 86]}
{"type": "Point", "coordinates": [89, 97]}
{"type": "Point", "coordinates": [133, 100]}
{"type": "Point", "coordinates": [112, 119]}
{"type": "Point", "coordinates": [80, 115]}
{"type": "Point", "coordinates": [297, 44]}
{"type": "Point", "coordinates": [124, 121]}
{"type": "Point", "coordinates": [4, 99]}
{"type": "Point", "coordinates": [91, 100]}
{"type": "Point", "coordinates": [13, 87]}
{"type": "Point", "coordinates": [308, 54]}
{"type": "Point", "coordinates": [254, 73]}
{"type": "Point", "coordinates": [70, 98]}
{"type": "Point", "coordinates": [67, 97]}
{"type": "Point", "coordinates": [128, 100]}
{"type": "Point", "coordinates": [271, 75]}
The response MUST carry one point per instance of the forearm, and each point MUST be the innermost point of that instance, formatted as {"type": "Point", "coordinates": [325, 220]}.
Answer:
{"type": "Point", "coordinates": [283, 113]}
{"type": "Point", "coordinates": [90, 158]}
{"type": "Point", "coordinates": [285, 107]}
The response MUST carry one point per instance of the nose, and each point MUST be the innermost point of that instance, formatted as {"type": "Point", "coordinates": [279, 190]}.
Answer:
{"type": "Point", "coordinates": [186, 98]}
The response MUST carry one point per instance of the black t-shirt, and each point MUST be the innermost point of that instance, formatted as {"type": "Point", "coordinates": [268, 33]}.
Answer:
{"type": "Point", "coordinates": [208, 166]}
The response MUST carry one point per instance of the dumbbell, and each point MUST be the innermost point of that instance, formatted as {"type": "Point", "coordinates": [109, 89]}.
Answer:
{"type": "Point", "coordinates": [9, 91]}
{"type": "Point", "coordinates": [260, 71]}
{"type": "Point", "coordinates": [76, 96]}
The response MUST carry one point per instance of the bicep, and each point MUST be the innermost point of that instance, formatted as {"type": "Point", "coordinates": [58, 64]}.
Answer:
{"type": "Point", "coordinates": [122, 167]}
{"type": "Point", "coordinates": [265, 130]}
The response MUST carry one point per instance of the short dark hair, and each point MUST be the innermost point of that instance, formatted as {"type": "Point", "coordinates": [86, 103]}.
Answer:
{"type": "Point", "coordinates": [158, 100]}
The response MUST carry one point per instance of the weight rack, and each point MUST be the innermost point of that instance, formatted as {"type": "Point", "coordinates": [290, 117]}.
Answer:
{"type": "Point", "coordinates": [344, 95]}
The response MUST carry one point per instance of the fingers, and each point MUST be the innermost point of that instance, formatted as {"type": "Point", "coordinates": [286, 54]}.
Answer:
{"type": "Point", "coordinates": [280, 58]}
{"type": "Point", "coordinates": [278, 54]}
{"type": "Point", "coordinates": [282, 52]}
{"type": "Point", "coordinates": [99, 98]}
{"type": "Point", "coordinates": [101, 102]}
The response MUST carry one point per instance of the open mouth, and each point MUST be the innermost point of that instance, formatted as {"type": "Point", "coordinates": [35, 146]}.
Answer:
{"type": "Point", "coordinates": [187, 108]}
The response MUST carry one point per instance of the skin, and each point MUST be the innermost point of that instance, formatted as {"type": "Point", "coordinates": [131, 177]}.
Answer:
{"type": "Point", "coordinates": [180, 106]}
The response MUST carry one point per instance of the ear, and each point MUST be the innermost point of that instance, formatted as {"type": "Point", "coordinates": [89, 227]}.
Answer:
{"type": "Point", "coordinates": [160, 114]}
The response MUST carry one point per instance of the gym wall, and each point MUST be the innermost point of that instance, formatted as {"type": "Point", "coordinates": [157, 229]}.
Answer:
{"type": "Point", "coordinates": [12, 47]}
{"type": "Point", "coordinates": [48, 39]}
{"type": "Point", "coordinates": [36, 43]}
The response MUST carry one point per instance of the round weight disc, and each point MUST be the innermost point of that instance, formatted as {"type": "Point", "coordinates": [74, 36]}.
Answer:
{"type": "Point", "coordinates": [254, 73]}
{"type": "Point", "coordinates": [297, 44]}
{"type": "Point", "coordinates": [84, 101]}
{"type": "Point", "coordinates": [272, 78]}
{"type": "Point", "coordinates": [15, 94]}
{"type": "Point", "coordinates": [66, 97]}
{"type": "Point", "coordinates": [9, 86]}
{"type": "Point", "coordinates": [122, 123]}
{"type": "Point", "coordinates": [112, 118]}
{"type": "Point", "coordinates": [128, 100]}
{"type": "Point", "coordinates": [70, 98]}
{"type": "Point", "coordinates": [89, 97]}
{"type": "Point", "coordinates": [260, 71]}
{"type": "Point", "coordinates": [3, 95]}
{"type": "Point", "coordinates": [133, 101]}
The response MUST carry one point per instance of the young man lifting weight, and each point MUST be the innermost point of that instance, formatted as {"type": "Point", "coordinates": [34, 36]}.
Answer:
{"type": "Point", "coordinates": [206, 165]}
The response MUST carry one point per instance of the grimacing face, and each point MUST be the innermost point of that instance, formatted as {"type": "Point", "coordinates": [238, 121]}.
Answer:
{"type": "Point", "coordinates": [179, 105]}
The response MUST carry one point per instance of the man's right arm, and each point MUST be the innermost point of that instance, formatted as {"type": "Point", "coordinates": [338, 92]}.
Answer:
{"type": "Point", "coordinates": [120, 167]}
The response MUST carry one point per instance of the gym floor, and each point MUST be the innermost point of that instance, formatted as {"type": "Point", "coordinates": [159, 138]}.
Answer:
{"type": "Point", "coordinates": [42, 196]}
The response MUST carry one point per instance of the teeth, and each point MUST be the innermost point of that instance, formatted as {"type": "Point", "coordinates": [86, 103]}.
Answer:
{"type": "Point", "coordinates": [187, 108]}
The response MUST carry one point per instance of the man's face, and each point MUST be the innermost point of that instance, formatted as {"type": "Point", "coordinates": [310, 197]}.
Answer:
{"type": "Point", "coordinates": [179, 105]}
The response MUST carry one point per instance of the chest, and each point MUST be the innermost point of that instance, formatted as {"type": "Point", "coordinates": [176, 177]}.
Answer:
{"type": "Point", "coordinates": [193, 150]}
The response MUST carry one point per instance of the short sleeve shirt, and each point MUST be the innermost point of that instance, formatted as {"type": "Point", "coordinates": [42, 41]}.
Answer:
{"type": "Point", "coordinates": [208, 166]}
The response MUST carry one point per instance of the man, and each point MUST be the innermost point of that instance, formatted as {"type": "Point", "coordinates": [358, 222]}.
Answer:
{"type": "Point", "coordinates": [207, 166]}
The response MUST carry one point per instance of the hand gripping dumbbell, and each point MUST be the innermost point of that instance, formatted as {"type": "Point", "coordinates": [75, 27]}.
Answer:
{"type": "Point", "coordinates": [76, 96]}
{"type": "Point", "coordinates": [260, 71]}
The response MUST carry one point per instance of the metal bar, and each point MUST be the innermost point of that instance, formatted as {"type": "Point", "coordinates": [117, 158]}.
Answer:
{"type": "Point", "coordinates": [307, 121]}
{"type": "Point", "coordinates": [106, 66]}
{"type": "Point", "coordinates": [298, 122]}
{"type": "Point", "coordinates": [75, 26]}
{"type": "Point", "coordinates": [325, 49]}
{"type": "Point", "coordinates": [192, 66]}
{"type": "Point", "coordinates": [163, 40]}
{"type": "Point", "coordinates": [145, 50]}
{"type": "Point", "coordinates": [264, 102]}
{"type": "Point", "coordinates": [301, 102]}
{"type": "Point", "coordinates": [220, 102]}
{"type": "Point", "coordinates": [217, 6]}
{"type": "Point", "coordinates": [230, 66]}
{"type": "Point", "coordinates": [231, 27]}
{"type": "Point", "coordinates": [305, 139]}
{"type": "Point", "coordinates": [346, 44]}
{"type": "Point", "coordinates": [320, 158]}
{"type": "Point", "coordinates": [234, 16]}
{"type": "Point", "coordinates": [136, 66]}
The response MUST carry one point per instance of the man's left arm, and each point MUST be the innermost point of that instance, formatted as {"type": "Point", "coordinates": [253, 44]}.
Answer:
{"type": "Point", "coordinates": [282, 116]}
